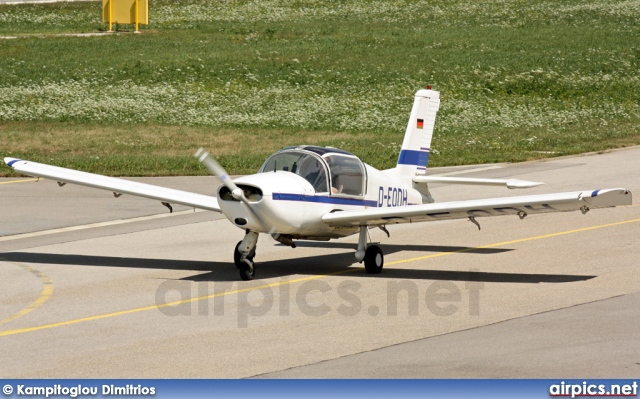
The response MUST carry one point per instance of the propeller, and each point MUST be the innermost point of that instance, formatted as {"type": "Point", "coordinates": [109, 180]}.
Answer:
{"type": "Point", "coordinates": [217, 170]}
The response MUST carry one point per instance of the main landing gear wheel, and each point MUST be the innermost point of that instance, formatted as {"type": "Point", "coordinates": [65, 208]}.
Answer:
{"type": "Point", "coordinates": [246, 266]}
{"type": "Point", "coordinates": [373, 259]}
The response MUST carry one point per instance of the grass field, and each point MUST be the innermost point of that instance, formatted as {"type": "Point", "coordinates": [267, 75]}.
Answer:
{"type": "Point", "coordinates": [518, 79]}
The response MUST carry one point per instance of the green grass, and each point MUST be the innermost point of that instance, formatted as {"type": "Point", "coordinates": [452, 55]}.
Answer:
{"type": "Point", "coordinates": [519, 80]}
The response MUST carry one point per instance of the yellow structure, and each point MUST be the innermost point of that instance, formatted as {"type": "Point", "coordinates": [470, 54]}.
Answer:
{"type": "Point", "coordinates": [125, 12]}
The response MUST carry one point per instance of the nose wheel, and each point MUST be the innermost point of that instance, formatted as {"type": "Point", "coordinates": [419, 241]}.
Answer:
{"type": "Point", "coordinates": [247, 270]}
{"type": "Point", "coordinates": [245, 266]}
{"type": "Point", "coordinates": [243, 256]}
{"type": "Point", "coordinates": [237, 256]}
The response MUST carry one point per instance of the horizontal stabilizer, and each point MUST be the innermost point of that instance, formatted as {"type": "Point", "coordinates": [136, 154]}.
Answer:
{"type": "Point", "coordinates": [521, 206]}
{"type": "Point", "coordinates": [509, 183]}
{"type": "Point", "coordinates": [115, 185]}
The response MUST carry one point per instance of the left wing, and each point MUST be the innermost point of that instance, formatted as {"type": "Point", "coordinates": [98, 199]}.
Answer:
{"type": "Point", "coordinates": [522, 206]}
{"type": "Point", "coordinates": [115, 185]}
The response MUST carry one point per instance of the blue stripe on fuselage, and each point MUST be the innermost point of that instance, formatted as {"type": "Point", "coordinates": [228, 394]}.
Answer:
{"type": "Point", "coordinates": [322, 199]}
{"type": "Point", "coordinates": [413, 157]}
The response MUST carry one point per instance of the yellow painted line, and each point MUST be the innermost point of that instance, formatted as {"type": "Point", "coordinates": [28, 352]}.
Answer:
{"type": "Point", "coordinates": [18, 181]}
{"type": "Point", "coordinates": [47, 290]}
{"type": "Point", "coordinates": [293, 281]}
{"type": "Point", "coordinates": [169, 304]}
{"type": "Point", "coordinates": [498, 244]}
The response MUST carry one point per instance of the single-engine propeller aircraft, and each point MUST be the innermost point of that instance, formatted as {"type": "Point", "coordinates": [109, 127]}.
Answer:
{"type": "Point", "coordinates": [321, 193]}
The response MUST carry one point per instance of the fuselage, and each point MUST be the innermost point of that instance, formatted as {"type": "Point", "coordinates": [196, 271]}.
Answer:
{"type": "Point", "coordinates": [298, 185]}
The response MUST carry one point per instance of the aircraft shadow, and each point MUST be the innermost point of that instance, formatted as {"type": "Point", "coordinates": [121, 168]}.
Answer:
{"type": "Point", "coordinates": [393, 248]}
{"type": "Point", "coordinates": [231, 273]}
{"type": "Point", "coordinates": [340, 264]}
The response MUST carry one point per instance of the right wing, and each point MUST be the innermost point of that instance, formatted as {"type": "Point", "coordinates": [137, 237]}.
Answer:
{"type": "Point", "coordinates": [117, 186]}
{"type": "Point", "coordinates": [521, 205]}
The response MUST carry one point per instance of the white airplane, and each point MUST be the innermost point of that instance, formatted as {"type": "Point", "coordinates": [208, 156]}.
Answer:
{"type": "Point", "coordinates": [321, 193]}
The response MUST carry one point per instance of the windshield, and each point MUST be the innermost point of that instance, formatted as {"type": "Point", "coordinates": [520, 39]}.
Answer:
{"type": "Point", "coordinates": [305, 165]}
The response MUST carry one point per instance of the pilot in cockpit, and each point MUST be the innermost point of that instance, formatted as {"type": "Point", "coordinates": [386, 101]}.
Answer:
{"type": "Point", "coordinates": [314, 173]}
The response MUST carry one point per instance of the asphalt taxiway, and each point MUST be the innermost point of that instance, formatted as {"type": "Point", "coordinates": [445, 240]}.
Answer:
{"type": "Point", "coordinates": [104, 287]}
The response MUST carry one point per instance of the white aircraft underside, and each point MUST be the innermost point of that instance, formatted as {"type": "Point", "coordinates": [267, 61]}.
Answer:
{"type": "Point", "coordinates": [321, 193]}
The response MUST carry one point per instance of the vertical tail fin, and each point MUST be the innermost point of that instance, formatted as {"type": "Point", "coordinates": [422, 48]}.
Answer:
{"type": "Point", "coordinates": [416, 145]}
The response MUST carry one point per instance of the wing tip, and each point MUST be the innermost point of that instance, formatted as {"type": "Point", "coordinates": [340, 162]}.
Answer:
{"type": "Point", "coordinates": [622, 191]}
{"type": "Point", "coordinates": [10, 161]}
{"type": "Point", "coordinates": [609, 197]}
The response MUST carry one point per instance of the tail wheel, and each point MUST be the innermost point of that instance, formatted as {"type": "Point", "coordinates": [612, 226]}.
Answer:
{"type": "Point", "coordinates": [373, 259]}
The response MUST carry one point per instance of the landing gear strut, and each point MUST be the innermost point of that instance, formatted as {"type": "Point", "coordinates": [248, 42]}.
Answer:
{"type": "Point", "coordinates": [371, 254]}
{"type": "Point", "coordinates": [243, 255]}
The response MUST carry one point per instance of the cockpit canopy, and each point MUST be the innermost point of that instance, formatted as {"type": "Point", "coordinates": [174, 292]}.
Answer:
{"type": "Point", "coordinates": [328, 170]}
